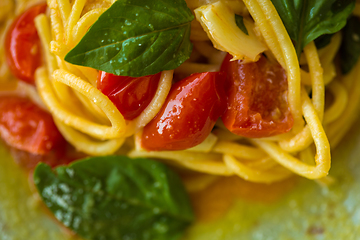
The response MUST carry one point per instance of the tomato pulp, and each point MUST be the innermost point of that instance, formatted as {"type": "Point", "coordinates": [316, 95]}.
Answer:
{"type": "Point", "coordinates": [257, 98]}
{"type": "Point", "coordinates": [189, 113]}
{"type": "Point", "coordinates": [129, 94]}
{"type": "Point", "coordinates": [22, 45]}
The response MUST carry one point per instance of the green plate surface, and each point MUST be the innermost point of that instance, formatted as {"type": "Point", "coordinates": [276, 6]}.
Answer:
{"type": "Point", "coordinates": [307, 212]}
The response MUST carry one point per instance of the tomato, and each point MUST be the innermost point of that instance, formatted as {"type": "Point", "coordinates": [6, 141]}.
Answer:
{"type": "Point", "coordinates": [22, 45]}
{"type": "Point", "coordinates": [257, 98]}
{"type": "Point", "coordinates": [63, 155]}
{"type": "Point", "coordinates": [189, 113]}
{"type": "Point", "coordinates": [29, 160]}
{"type": "Point", "coordinates": [27, 127]}
{"type": "Point", "coordinates": [130, 95]}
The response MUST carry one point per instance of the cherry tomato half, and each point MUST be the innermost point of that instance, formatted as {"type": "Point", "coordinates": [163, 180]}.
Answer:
{"type": "Point", "coordinates": [257, 98]}
{"type": "Point", "coordinates": [22, 45]}
{"type": "Point", "coordinates": [27, 127]}
{"type": "Point", "coordinates": [189, 113]}
{"type": "Point", "coordinates": [130, 95]}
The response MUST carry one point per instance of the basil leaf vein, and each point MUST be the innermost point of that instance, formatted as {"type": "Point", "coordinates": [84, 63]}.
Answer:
{"type": "Point", "coordinates": [137, 38]}
{"type": "Point", "coordinates": [116, 197]}
{"type": "Point", "coordinates": [307, 20]}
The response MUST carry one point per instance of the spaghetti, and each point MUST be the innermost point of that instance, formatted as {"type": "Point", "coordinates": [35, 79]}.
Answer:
{"type": "Point", "coordinates": [90, 122]}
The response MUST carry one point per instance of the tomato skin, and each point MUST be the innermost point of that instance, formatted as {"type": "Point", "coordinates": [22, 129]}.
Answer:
{"type": "Point", "coordinates": [22, 45]}
{"type": "Point", "coordinates": [29, 160]}
{"type": "Point", "coordinates": [129, 94]}
{"type": "Point", "coordinates": [25, 126]}
{"type": "Point", "coordinates": [257, 99]}
{"type": "Point", "coordinates": [62, 155]}
{"type": "Point", "coordinates": [189, 113]}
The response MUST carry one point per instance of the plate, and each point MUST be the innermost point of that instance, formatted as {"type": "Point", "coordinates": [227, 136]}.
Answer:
{"type": "Point", "coordinates": [308, 211]}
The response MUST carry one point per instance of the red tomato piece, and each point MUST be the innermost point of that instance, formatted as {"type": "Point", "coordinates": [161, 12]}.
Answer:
{"type": "Point", "coordinates": [189, 113]}
{"type": "Point", "coordinates": [22, 45]}
{"type": "Point", "coordinates": [257, 98]}
{"type": "Point", "coordinates": [129, 94]}
{"type": "Point", "coordinates": [63, 155]}
{"type": "Point", "coordinates": [25, 126]}
{"type": "Point", "coordinates": [29, 160]}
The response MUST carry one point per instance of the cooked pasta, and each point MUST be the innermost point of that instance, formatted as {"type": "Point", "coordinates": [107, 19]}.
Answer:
{"type": "Point", "coordinates": [92, 123]}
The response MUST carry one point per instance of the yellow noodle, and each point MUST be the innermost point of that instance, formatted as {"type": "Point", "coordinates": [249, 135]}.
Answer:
{"type": "Point", "coordinates": [307, 156]}
{"type": "Point", "coordinates": [255, 175]}
{"type": "Point", "coordinates": [94, 112]}
{"type": "Point", "coordinates": [65, 9]}
{"type": "Point", "coordinates": [206, 145]}
{"type": "Point", "coordinates": [328, 75]}
{"type": "Point", "coordinates": [79, 72]}
{"type": "Point", "coordinates": [322, 147]}
{"type": "Point", "coordinates": [85, 22]}
{"type": "Point", "coordinates": [90, 74]}
{"type": "Point", "coordinates": [337, 129]}
{"type": "Point", "coordinates": [88, 105]}
{"type": "Point", "coordinates": [238, 150]}
{"type": "Point", "coordinates": [237, 6]}
{"type": "Point", "coordinates": [263, 164]}
{"type": "Point", "coordinates": [73, 19]}
{"type": "Point", "coordinates": [56, 25]}
{"type": "Point", "coordinates": [43, 29]}
{"type": "Point", "coordinates": [58, 48]}
{"type": "Point", "coordinates": [280, 137]}
{"type": "Point", "coordinates": [154, 106]}
{"type": "Point", "coordinates": [337, 108]}
{"type": "Point", "coordinates": [224, 134]}
{"type": "Point", "coordinates": [328, 53]}
{"type": "Point", "coordinates": [5, 76]}
{"type": "Point", "coordinates": [316, 73]}
{"type": "Point", "coordinates": [87, 145]}
{"type": "Point", "coordinates": [93, 129]}
{"type": "Point", "coordinates": [303, 139]}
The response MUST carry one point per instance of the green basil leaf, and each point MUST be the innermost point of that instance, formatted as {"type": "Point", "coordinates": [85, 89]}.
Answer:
{"type": "Point", "coordinates": [116, 197]}
{"type": "Point", "coordinates": [240, 23]}
{"type": "Point", "coordinates": [307, 20]}
{"type": "Point", "coordinates": [350, 47]}
{"type": "Point", "coordinates": [137, 38]}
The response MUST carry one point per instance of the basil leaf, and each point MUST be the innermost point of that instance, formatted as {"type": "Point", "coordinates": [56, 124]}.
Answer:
{"type": "Point", "coordinates": [350, 47]}
{"type": "Point", "coordinates": [307, 20]}
{"type": "Point", "coordinates": [137, 38]}
{"type": "Point", "coordinates": [116, 197]}
{"type": "Point", "coordinates": [240, 23]}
